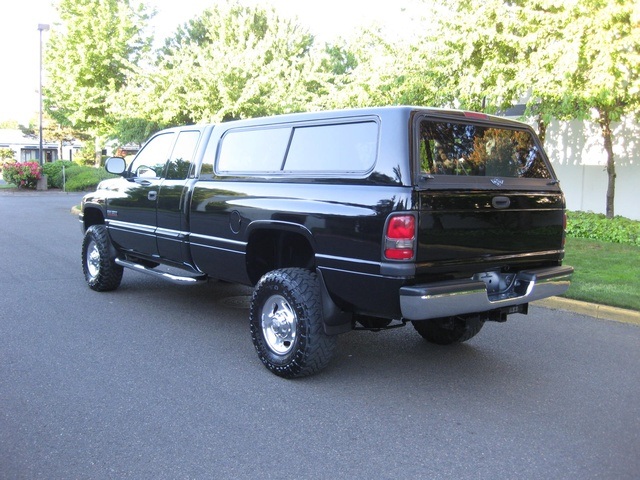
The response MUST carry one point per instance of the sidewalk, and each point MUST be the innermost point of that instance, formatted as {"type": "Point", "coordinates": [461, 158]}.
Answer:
{"type": "Point", "coordinates": [598, 311]}
{"type": "Point", "coordinates": [34, 193]}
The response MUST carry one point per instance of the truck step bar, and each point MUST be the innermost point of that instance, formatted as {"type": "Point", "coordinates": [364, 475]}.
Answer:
{"type": "Point", "coordinates": [179, 279]}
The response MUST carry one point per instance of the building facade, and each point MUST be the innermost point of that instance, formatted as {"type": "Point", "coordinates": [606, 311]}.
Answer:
{"type": "Point", "coordinates": [26, 147]}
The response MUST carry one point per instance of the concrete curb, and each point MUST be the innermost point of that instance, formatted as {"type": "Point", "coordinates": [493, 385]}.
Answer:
{"type": "Point", "coordinates": [593, 310]}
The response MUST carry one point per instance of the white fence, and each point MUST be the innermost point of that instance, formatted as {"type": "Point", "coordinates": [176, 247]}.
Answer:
{"type": "Point", "coordinates": [577, 153]}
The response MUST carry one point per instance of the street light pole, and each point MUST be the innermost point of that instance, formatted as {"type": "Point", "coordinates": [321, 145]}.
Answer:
{"type": "Point", "coordinates": [42, 27]}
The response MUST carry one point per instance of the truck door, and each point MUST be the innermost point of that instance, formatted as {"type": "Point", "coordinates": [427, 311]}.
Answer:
{"type": "Point", "coordinates": [173, 198]}
{"type": "Point", "coordinates": [131, 211]}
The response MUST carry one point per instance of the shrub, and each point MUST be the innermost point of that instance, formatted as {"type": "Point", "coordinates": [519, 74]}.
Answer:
{"type": "Point", "coordinates": [86, 156]}
{"type": "Point", "coordinates": [81, 178]}
{"type": "Point", "coordinates": [22, 174]}
{"type": "Point", "coordinates": [6, 154]}
{"type": "Point", "coordinates": [53, 171]}
{"type": "Point", "coordinates": [597, 226]}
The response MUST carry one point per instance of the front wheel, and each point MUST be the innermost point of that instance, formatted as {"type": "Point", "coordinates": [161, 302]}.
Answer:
{"type": "Point", "coordinates": [98, 260]}
{"type": "Point", "coordinates": [287, 324]}
{"type": "Point", "coordinates": [445, 331]}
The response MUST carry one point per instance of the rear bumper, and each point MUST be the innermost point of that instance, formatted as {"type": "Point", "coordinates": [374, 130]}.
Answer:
{"type": "Point", "coordinates": [458, 297]}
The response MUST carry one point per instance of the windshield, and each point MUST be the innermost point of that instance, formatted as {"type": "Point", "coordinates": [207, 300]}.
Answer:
{"type": "Point", "coordinates": [449, 148]}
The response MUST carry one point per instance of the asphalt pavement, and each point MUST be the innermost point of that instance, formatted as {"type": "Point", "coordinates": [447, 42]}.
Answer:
{"type": "Point", "coordinates": [161, 381]}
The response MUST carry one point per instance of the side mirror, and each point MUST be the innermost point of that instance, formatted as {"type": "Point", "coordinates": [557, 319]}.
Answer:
{"type": "Point", "coordinates": [115, 165]}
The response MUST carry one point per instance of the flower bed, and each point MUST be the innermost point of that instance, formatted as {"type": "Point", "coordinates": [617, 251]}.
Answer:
{"type": "Point", "coordinates": [22, 174]}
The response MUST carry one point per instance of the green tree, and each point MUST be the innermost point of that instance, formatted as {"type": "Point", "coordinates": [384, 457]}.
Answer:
{"type": "Point", "coordinates": [414, 69]}
{"type": "Point", "coordinates": [53, 131]}
{"type": "Point", "coordinates": [233, 61]}
{"type": "Point", "coordinates": [578, 59]}
{"type": "Point", "coordinates": [92, 55]}
{"type": "Point", "coordinates": [365, 72]}
{"type": "Point", "coordinates": [9, 124]}
{"type": "Point", "coordinates": [593, 72]}
{"type": "Point", "coordinates": [6, 154]}
{"type": "Point", "coordinates": [135, 130]}
{"type": "Point", "coordinates": [468, 56]}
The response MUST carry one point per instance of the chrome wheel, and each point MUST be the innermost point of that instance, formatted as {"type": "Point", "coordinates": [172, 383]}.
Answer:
{"type": "Point", "coordinates": [287, 327]}
{"type": "Point", "coordinates": [99, 266]}
{"type": "Point", "coordinates": [93, 259]}
{"type": "Point", "coordinates": [278, 322]}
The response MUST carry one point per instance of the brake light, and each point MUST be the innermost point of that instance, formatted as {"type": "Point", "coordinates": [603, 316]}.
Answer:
{"type": "Point", "coordinates": [477, 115]}
{"type": "Point", "coordinates": [400, 237]}
{"type": "Point", "coordinates": [564, 229]}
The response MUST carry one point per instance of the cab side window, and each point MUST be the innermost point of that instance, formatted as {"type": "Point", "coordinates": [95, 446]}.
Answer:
{"type": "Point", "coordinates": [182, 155]}
{"type": "Point", "coordinates": [151, 160]}
{"type": "Point", "coordinates": [332, 149]}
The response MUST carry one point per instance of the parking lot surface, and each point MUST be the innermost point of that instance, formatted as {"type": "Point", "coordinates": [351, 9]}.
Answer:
{"type": "Point", "coordinates": [161, 381]}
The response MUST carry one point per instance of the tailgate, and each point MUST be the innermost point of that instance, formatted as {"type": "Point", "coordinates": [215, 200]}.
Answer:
{"type": "Point", "coordinates": [501, 227]}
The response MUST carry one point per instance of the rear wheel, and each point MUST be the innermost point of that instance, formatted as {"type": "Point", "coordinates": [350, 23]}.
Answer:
{"type": "Point", "coordinates": [287, 325]}
{"type": "Point", "coordinates": [98, 260]}
{"type": "Point", "coordinates": [445, 331]}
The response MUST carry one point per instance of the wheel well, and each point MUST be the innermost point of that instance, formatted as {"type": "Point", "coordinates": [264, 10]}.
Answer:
{"type": "Point", "coordinates": [92, 216]}
{"type": "Point", "coordinates": [273, 249]}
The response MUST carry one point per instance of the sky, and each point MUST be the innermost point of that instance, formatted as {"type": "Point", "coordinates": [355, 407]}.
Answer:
{"type": "Point", "coordinates": [20, 38]}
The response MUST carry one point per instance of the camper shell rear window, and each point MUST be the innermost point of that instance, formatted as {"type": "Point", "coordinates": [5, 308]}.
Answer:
{"type": "Point", "coordinates": [478, 150]}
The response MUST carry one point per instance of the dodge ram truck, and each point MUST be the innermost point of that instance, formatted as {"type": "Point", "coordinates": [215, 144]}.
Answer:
{"type": "Point", "coordinates": [340, 220]}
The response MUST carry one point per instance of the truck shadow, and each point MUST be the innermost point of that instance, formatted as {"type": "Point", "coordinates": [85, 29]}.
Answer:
{"type": "Point", "coordinates": [400, 358]}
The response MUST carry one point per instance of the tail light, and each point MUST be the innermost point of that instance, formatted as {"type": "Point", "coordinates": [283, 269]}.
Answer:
{"type": "Point", "coordinates": [400, 237]}
{"type": "Point", "coordinates": [564, 229]}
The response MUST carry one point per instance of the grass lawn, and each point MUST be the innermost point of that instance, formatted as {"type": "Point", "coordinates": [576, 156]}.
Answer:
{"type": "Point", "coordinates": [605, 273]}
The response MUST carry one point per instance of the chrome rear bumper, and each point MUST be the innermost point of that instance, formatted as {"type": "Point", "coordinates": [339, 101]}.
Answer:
{"type": "Point", "coordinates": [458, 297]}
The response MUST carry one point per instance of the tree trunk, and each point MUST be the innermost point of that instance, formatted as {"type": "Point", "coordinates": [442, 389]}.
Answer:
{"type": "Point", "coordinates": [542, 129]}
{"type": "Point", "coordinates": [605, 128]}
{"type": "Point", "coordinates": [98, 152]}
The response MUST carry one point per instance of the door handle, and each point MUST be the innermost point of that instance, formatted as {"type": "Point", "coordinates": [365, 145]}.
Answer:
{"type": "Point", "coordinates": [152, 195]}
{"type": "Point", "coordinates": [500, 202]}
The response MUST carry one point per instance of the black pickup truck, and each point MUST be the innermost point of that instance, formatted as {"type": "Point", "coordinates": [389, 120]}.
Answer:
{"type": "Point", "coordinates": [367, 218]}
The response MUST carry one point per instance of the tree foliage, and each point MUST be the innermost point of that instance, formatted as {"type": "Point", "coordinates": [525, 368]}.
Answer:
{"type": "Point", "coordinates": [370, 72]}
{"type": "Point", "coordinates": [234, 61]}
{"type": "Point", "coordinates": [90, 57]}
{"type": "Point", "coordinates": [135, 130]}
{"type": "Point", "coordinates": [594, 73]}
{"type": "Point", "coordinates": [6, 153]}
{"type": "Point", "coordinates": [578, 59]}
{"type": "Point", "coordinates": [9, 124]}
{"type": "Point", "coordinates": [468, 55]}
